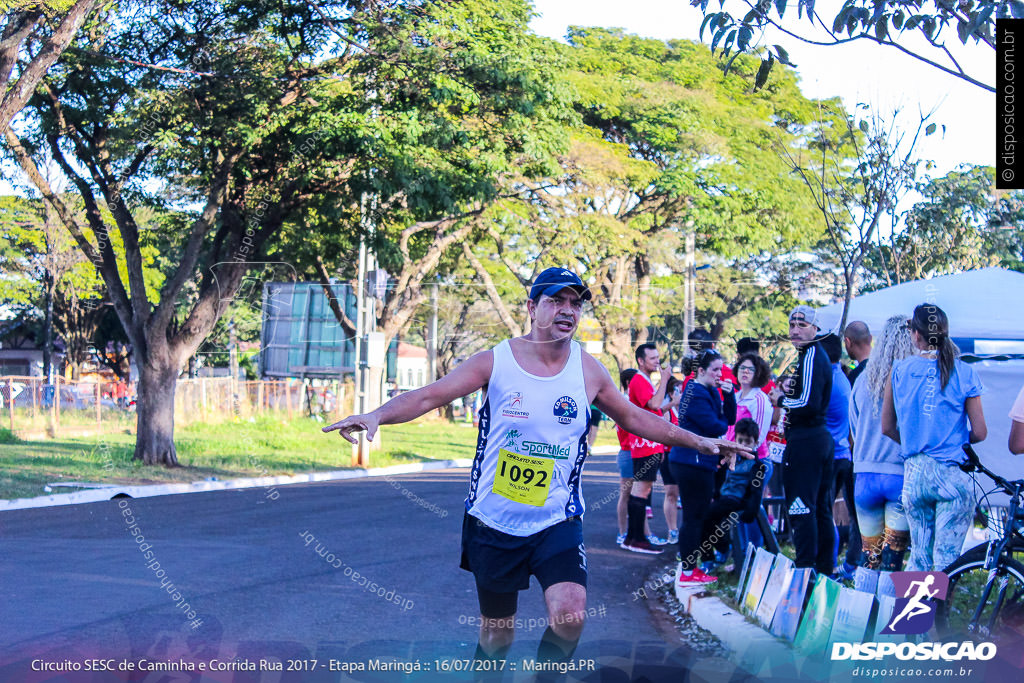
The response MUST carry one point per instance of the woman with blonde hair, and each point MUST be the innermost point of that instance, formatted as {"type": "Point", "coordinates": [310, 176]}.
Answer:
{"type": "Point", "coordinates": [877, 461]}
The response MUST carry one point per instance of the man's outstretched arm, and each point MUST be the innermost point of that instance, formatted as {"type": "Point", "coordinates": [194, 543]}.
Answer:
{"type": "Point", "coordinates": [462, 381]}
{"type": "Point", "coordinates": [648, 425]}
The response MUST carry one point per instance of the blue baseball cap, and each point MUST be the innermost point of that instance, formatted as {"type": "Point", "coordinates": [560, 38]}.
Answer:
{"type": "Point", "coordinates": [554, 280]}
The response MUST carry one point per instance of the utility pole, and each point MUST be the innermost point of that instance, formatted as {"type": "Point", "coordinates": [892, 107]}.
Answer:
{"type": "Point", "coordinates": [366, 398]}
{"type": "Point", "coordinates": [432, 341]}
{"type": "Point", "coordinates": [233, 365]}
{"type": "Point", "coordinates": [358, 394]}
{"type": "Point", "coordinates": [48, 325]}
{"type": "Point", "coordinates": [691, 279]}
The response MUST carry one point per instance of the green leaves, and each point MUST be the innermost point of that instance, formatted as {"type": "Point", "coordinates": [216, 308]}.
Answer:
{"type": "Point", "coordinates": [782, 56]}
{"type": "Point", "coordinates": [882, 28]}
{"type": "Point", "coordinates": [882, 21]}
{"type": "Point", "coordinates": [959, 224]}
{"type": "Point", "coordinates": [762, 73]}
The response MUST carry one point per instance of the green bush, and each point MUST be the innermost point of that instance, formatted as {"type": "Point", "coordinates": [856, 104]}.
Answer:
{"type": "Point", "coordinates": [7, 436]}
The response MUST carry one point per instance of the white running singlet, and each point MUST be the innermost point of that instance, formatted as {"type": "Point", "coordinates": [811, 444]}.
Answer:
{"type": "Point", "coordinates": [531, 446]}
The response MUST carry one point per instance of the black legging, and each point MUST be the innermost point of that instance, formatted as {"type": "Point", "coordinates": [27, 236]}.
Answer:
{"type": "Point", "coordinates": [696, 487]}
{"type": "Point", "coordinates": [844, 481]}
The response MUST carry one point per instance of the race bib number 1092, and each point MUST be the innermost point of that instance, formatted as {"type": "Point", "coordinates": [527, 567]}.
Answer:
{"type": "Point", "coordinates": [523, 478]}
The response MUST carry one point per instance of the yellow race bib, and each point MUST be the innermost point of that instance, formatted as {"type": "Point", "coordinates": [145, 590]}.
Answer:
{"type": "Point", "coordinates": [523, 478]}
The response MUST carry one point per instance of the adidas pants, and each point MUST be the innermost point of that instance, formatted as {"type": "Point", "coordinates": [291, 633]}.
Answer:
{"type": "Point", "coordinates": [807, 480]}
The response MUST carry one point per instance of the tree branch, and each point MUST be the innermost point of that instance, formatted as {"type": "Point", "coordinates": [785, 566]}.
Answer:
{"type": "Point", "coordinates": [339, 313]}
{"type": "Point", "coordinates": [14, 99]}
{"type": "Point", "coordinates": [18, 27]}
{"type": "Point", "coordinates": [197, 234]}
{"type": "Point", "coordinates": [839, 41]}
{"type": "Point", "coordinates": [104, 263]}
{"type": "Point", "coordinates": [492, 292]}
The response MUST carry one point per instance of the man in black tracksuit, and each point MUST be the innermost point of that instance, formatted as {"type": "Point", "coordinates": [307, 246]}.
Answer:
{"type": "Point", "coordinates": [807, 460]}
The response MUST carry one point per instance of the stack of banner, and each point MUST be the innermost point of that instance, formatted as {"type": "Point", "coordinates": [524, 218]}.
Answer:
{"type": "Point", "coordinates": [773, 592]}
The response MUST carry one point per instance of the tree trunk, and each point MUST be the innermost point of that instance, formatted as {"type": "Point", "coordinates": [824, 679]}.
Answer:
{"type": "Point", "coordinates": [617, 344]}
{"type": "Point", "coordinates": [154, 444]}
{"type": "Point", "coordinates": [849, 277]}
{"type": "Point", "coordinates": [718, 326]}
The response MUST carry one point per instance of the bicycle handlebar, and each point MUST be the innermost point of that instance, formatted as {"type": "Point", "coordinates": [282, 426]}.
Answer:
{"type": "Point", "coordinates": [1011, 488]}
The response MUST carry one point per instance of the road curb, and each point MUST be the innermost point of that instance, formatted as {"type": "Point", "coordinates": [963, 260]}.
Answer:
{"type": "Point", "coordinates": [752, 648]}
{"type": "Point", "coordinates": [106, 492]}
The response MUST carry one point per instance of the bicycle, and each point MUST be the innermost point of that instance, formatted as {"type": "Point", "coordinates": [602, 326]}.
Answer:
{"type": "Point", "coordinates": [969, 607]}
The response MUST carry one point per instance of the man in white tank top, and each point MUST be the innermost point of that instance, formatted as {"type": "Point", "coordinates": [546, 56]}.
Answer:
{"type": "Point", "coordinates": [525, 504]}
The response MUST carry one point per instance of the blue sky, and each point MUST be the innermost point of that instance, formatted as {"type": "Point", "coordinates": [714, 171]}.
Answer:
{"type": "Point", "coordinates": [865, 72]}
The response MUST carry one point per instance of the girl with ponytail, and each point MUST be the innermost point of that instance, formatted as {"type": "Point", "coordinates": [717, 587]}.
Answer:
{"type": "Point", "coordinates": [931, 407]}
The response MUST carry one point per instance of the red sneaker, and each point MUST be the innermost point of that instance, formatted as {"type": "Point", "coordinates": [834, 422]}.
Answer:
{"type": "Point", "coordinates": [697, 578]}
{"type": "Point", "coordinates": [704, 578]}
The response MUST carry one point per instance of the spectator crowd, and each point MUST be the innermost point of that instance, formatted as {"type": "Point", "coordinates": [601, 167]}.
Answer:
{"type": "Point", "coordinates": [857, 465]}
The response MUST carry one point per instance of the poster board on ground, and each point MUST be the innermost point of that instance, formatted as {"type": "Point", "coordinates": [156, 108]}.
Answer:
{"type": "Point", "coordinates": [853, 616]}
{"type": "Point", "coordinates": [886, 604]}
{"type": "Point", "coordinates": [773, 590]}
{"type": "Point", "coordinates": [885, 586]}
{"type": "Point", "coordinates": [787, 614]}
{"type": "Point", "coordinates": [866, 580]}
{"type": "Point", "coordinates": [759, 572]}
{"type": "Point", "coordinates": [816, 625]}
{"type": "Point", "coordinates": [744, 573]}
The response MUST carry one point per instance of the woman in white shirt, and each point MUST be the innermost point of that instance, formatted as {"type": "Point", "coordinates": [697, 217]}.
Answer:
{"type": "Point", "coordinates": [753, 373]}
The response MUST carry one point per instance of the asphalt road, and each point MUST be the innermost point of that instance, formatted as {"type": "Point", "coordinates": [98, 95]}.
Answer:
{"type": "Point", "coordinates": [358, 571]}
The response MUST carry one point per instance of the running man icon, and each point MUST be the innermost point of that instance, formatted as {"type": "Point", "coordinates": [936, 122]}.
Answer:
{"type": "Point", "coordinates": [916, 609]}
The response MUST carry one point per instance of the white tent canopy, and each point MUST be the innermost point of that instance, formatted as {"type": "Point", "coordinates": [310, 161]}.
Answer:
{"type": "Point", "coordinates": [981, 304]}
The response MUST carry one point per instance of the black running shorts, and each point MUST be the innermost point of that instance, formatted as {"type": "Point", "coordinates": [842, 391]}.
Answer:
{"type": "Point", "coordinates": [666, 474]}
{"type": "Point", "coordinates": [645, 468]}
{"type": "Point", "coordinates": [502, 563]}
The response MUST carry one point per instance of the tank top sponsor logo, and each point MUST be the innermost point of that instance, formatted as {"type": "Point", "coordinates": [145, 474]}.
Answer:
{"type": "Point", "coordinates": [536, 448]}
{"type": "Point", "coordinates": [546, 449]}
{"type": "Point", "coordinates": [510, 439]}
{"type": "Point", "coordinates": [565, 410]}
{"type": "Point", "coordinates": [513, 407]}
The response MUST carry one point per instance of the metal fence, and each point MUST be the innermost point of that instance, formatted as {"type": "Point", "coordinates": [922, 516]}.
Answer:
{"type": "Point", "coordinates": [33, 409]}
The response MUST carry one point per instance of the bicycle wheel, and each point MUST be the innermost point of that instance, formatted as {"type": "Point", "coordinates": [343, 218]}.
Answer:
{"type": "Point", "coordinates": [967, 579]}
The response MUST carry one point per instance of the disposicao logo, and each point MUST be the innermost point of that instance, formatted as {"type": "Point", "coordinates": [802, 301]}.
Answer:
{"type": "Point", "coordinates": [914, 613]}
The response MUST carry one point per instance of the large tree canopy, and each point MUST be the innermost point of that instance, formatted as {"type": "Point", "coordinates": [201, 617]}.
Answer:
{"type": "Point", "coordinates": [238, 117]}
{"type": "Point", "coordinates": [666, 147]}
{"type": "Point", "coordinates": [960, 223]}
{"type": "Point", "coordinates": [483, 118]}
